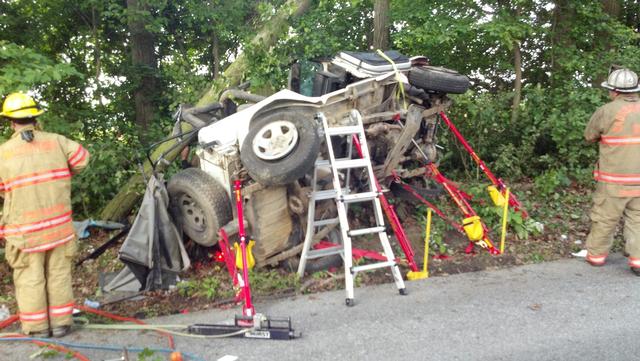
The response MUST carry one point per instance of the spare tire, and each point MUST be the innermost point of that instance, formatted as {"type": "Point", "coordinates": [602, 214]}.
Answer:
{"type": "Point", "coordinates": [281, 147]}
{"type": "Point", "coordinates": [199, 205]}
{"type": "Point", "coordinates": [438, 79]}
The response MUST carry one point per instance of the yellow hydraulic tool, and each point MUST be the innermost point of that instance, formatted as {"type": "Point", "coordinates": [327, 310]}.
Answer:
{"type": "Point", "coordinates": [473, 228]}
{"type": "Point", "coordinates": [497, 197]}
{"type": "Point", "coordinates": [504, 220]}
{"type": "Point", "coordinates": [251, 262]}
{"type": "Point", "coordinates": [425, 270]}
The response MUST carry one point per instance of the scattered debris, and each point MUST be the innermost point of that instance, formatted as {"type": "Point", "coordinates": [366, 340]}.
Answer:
{"type": "Point", "coordinates": [535, 307]}
{"type": "Point", "coordinates": [580, 254]}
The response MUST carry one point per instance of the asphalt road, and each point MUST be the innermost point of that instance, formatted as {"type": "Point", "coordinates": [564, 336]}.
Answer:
{"type": "Point", "coordinates": [564, 310]}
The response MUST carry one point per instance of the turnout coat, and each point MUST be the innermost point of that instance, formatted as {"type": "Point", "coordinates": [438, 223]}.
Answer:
{"type": "Point", "coordinates": [35, 182]}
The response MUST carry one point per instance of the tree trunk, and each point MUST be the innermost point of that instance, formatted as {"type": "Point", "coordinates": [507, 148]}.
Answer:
{"type": "Point", "coordinates": [144, 62]}
{"type": "Point", "coordinates": [120, 206]}
{"type": "Point", "coordinates": [517, 86]}
{"type": "Point", "coordinates": [265, 38]}
{"type": "Point", "coordinates": [613, 8]}
{"type": "Point", "coordinates": [381, 24]}
{"type": "Point", "coordinates": [562, 42]}
{"type": "Point", "coordinates": [215, 54]}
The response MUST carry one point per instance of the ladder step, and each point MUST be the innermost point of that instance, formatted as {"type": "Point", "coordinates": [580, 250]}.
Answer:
{"type": "Point", "coordinates": [371, 266]}
{"type": "Point", "coordinates": [352, 163]}
{"type": "Point", "coordinates": [317, 253]}
{"type": "Point", "coordinates": [359, 197]}
{"type": "Point", "coordinates": [354, 129]}
{"type": "Point", "coordinates": [322, 162]}
{"type": "Point", "coordinates": [326, 163]}
{"type": "Point", "coordinates": [326, 222]}
{"type": "Point", "coordinates": [360, 232]}
{"type": "Point", "coordinates": [322, 195]}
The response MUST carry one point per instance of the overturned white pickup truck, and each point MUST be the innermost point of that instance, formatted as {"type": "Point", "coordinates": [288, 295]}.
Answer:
{"type": "Point", "coordinates": [276, 141]}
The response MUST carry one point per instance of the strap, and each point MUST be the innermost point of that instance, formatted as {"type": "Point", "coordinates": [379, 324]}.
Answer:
{"type": "Point", "coordinates": [395, 70]}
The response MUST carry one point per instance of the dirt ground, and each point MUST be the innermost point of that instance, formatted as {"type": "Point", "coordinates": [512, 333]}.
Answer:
{"type": "Point", "coordinates": [207, 284]}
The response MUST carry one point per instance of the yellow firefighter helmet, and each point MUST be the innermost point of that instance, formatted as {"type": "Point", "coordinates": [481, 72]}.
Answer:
{"type": "Point", "coordinates": [20, 106]}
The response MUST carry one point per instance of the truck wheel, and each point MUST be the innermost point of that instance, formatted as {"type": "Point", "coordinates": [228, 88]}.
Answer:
{"type": "Point", "coordinates": [438, 79]}
{"type": "Point", "coordinates": [199, 205]}
{"type": "Point", "coordinates": [281, 147]}
{"type": "Point", "coordinates": [327, 262]}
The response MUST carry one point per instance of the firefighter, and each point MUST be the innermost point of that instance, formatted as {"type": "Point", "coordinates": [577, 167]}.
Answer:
{"type": "Point", "coordinates": [35, 182]}
{"type": "Point", "coordinates": [616, 126]}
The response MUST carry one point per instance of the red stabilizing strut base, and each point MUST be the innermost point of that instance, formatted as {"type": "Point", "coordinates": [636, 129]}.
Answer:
{"type": "Point", "coordinates": [247, 308]}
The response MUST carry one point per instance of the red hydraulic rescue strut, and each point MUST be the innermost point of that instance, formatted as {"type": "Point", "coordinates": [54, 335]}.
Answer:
{"type": "Point", "coordinates": [393, 218]}
{"type": "Point", "coordinates": [250, 324]}
{"type": "Point", "coordinates": [247, 307]}
{"type": "Point", "coordinates": [498, 182]}
{"type": "Point", "coordinates": [472, 226]}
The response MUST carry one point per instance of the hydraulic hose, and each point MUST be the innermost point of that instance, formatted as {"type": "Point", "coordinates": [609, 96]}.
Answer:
{"type": "Point", "coordinates": [163, 329]}
{"type": "Point", "coordinates": [64, 345]}
{"type": "Point", "coordinates": [124, 319]}
{"type": "Point", "coordinates": [44, 343]}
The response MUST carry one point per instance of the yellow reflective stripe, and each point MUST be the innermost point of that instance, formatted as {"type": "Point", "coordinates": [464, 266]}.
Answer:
{"type": "Point", "coordinates": [596, 259]}
{"type": "Point", "coordinates": [61, 310]}
{"type": "Point", "coordinates": [78, 156]}
{"type": "Point", "coordinates": [33, 316]}
{"type": "Point", "coordinates": [37, 178]}
{"type": "Point", "coordinates": [36, 226]}
{"type": "Point", "coordinates": [619, 140]}
{"type": "Point", "coordinates": [616, 178]}
{"type": "Point", "coordinates": [48, 246]}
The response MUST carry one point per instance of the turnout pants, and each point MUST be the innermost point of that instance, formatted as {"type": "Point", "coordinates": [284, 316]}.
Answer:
{"type": "Point", "coordinates": [605, 215]}
{"type": "Point", "coordinates": [43, 286]}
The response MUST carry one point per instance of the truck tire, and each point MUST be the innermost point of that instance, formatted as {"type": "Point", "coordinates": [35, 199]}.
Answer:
{"type": "Point", "coordinates": [317, 264]}
{"type": "Point", "coordinates": [278, 161]}
{"type": "Point", "coordinates": [199, 205]}
{"type": "Point", "coordinates": [438, 79]}
{"type": "Point", "coordinates": [327, 262]}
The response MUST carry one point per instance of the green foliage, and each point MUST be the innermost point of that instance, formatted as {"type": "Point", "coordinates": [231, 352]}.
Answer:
{"type": "Point", "coordinates": [263, 281]}
{"type": "Point", "coordinates": [187, 288]}
{"type": "Point", "coordinates": [326, 29]}
{"type": "Point", "coordinates": [536, 258]}
{"type": "Point", "coordinates": [75, 57]}
{"type": "Point", "coordinates": [148, 355]}
{"type": "Point", "coordinates": [560, 69]}
{"type": "Point", "coordinates": [46, 353]}
{"type": "Point", "coordinates": [208, 287]}
{"type": "Point", "coordinates": [438, 227]}
{"type": "Point", "coordinates": [549, 182]}
{"type": "Point", "coordinates": [23, 69]}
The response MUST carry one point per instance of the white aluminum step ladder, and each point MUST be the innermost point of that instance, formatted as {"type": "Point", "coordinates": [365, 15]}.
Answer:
{"type": "Point", "coordinates": [340, 193]}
